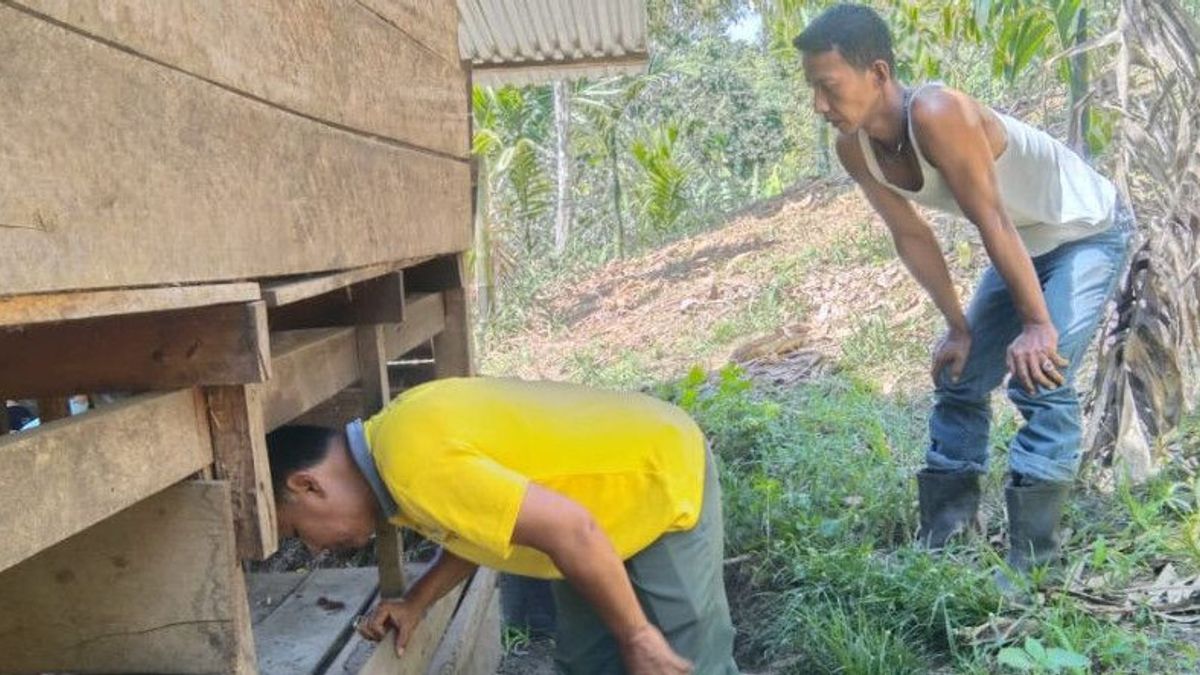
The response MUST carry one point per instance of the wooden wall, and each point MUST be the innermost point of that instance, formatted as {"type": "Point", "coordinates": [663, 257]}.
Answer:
{"type": "Point", "coordinates": [147, 142]}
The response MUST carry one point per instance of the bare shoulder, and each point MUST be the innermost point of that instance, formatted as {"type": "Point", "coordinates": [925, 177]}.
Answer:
{"type": "Point", "coordinates": [948, 123]}
{"type": "Point", "coordinates": [934, 107]}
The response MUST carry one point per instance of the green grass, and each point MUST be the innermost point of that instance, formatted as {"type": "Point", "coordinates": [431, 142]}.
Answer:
{"type": "Point", "coordinates": [820, 511]}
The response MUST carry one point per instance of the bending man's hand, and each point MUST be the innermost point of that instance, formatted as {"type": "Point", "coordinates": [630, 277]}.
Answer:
{"type": "Point", "coordinates": [401, 616]}
{"type": "Point", "coordinates": [1033, 358]}
{"type": "Point", "coordinates": [646, 652]}
{"type": "Point", "coordinates": [951, 352]}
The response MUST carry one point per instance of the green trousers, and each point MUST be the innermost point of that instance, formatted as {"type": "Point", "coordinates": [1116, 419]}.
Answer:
{"type": "Point", "coordinates": [680, 583]}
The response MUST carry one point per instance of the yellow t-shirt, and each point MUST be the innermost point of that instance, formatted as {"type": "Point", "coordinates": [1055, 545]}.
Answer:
{"type": "Point", "coordinates": [457, 454]}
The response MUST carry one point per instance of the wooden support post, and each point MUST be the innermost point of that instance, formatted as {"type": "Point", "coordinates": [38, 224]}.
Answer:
{"type": "Point", "coordinates": [389, 550]}
{"type": "Point", "coordinates": [372, 366]}
{"type": "Point", "coordinates": [53, 408]}
{"type": "Point", "coordinates": [452, 347]}
{"type": "Point", "coordinates": [220, 344]}
{"type": "Point", "coordinates": [235, 417]}
{"type": "Point", "coordinates": [156, 588]}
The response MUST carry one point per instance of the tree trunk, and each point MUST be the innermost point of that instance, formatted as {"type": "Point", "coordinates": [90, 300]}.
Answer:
{"type": "Point", "coordinates": [1077, 136]}
{"type": "Point", "coordinates": [562, 202]}
{"type": "Point", "coordinates": [484, 286]}
{"type": "Point", "coordinates": [616, 177]}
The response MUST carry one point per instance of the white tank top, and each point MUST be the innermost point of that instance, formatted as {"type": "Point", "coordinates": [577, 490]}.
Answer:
{"type": "Point", "coordinates": [1050, 193]}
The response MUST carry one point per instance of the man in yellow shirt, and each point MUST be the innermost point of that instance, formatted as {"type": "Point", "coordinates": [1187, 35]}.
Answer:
{"type": "Point", "coordinates": [615, 493]}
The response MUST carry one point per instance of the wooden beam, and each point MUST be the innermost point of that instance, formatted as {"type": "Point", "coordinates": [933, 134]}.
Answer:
{"type": "Point", "coordinates": [331, 59]}
{"type": "Point", "coordinates": [372, 367]}
{"type": "Point", "coordinates": [452, 347]}
{"type": "Point", "coordinates": [53, 307]}
{"type": "Point", "coordinates": [235, 416]}
{"type": "Point", "coordinates": [170, 179]}
{"type": "Point", "coordinates": [63, 477]}
{"type": "Point", "coordinates": [426, 318]}
{"type": "Point", "coordinates": [376, 300]}
{"type": "Point", "coordinates": [155, 588]}
{"type": "Point", "coordinates": [376, 392]}
{"type": "Point", "coordinates": [389, 552]}
{"type": "Point", "coordinates": [221, 344]}
{"type": "Point", "coordinates": [281, 292]}
{"type": "Point", "coordinates": [311, 366]}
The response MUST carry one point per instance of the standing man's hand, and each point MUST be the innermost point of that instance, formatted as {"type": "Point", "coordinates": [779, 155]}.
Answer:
{"type": "Point", "coordinates": [1033, 358]}
{"type": "Point", "coordinates": [399, 615]}
{"type": "Point", "coordinates": [646, 652]}
{"type": "Point", "coordinates": [951, 352]}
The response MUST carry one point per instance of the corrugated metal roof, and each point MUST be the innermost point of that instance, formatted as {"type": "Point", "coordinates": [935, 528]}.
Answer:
{"type": "Point", "coordinates": [525, 41]}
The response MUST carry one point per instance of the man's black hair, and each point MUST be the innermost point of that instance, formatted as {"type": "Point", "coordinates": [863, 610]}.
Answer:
{"type": "Point", "coordinates": [858, 33]}
{"type": "Point", "coordinates": [295, 448]}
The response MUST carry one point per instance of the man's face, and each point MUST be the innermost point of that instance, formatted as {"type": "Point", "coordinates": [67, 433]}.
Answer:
{"type": "Point", "coordinates": [842, 94]}
{"type": "Point", "coordinates": [323, 507]}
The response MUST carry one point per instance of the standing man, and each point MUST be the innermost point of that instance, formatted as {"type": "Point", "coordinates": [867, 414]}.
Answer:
{"type": "Point", "coordinates": [613, 494]}
{"type": "Point", "coordinates": [1056, 235]}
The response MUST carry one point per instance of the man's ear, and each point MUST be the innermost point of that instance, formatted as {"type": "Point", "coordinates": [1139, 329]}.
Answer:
{"type": "Point", "coordinates": [304, 482]}
{"type": "Point", "coordinates": [881, 71]}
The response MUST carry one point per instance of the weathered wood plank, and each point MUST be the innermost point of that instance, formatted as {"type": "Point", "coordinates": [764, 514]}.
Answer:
{"type": "Point", "coordinates": [421, 646]}
{"type": "Point", "coordinates": [311, 366]}
{"type": "Point", "coordinates": [335, 412]}
{"type": "Point", "coordinates": [464, 648]}
{"type": "Point", "coordinates": [169, 179]}
{"type": "Point", "coordinates": [235, 416]}
{"type": "Point", "coordinates": [313, 622]}
{"type": "Point", "coordinates": [221, 344]}
{"type": "Point", "coordinates": [63, 477]}
{"type": "Point", "coordinates": [332, 59]}
{"type": "Point", "coordinates": [452, 347]}
{"type": "Point", "coordinates": [372, 367]}
{"type": "Point", "coordinates": [52, 307]}
{"type": "Point", "coordinates": [360, 657]}
{"type": "Point", "coordinates": [286, 291]}
{"type": "Point", "coordinates": [268, 590]}
{"type": "Point", "coordinates": [389, 553]}
{"type": "Point", "coordinates": [425, 318]}
{"type": "Point", "coordinates": [376, 300]}
{"type": "Point", "coordinates": [432, 23]}
{"type": "Point", "coordinates": [155, 588]}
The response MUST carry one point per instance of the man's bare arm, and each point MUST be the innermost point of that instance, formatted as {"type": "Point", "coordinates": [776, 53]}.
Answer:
{"type": "Point", "coordinates": [950, 130]}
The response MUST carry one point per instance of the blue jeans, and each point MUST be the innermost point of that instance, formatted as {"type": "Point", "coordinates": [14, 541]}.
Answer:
{"type": "Point", "coordinates": [1077, 280]}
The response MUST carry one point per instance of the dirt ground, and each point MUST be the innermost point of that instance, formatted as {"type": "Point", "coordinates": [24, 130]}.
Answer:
{"type": "Point", "coordinates": [704, 300]}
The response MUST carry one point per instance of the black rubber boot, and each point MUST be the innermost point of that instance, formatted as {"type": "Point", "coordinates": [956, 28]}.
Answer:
{"type": "Point", "coordinates": [949, 506]}
{"type": "Point", "coordinates": [1035, 511]}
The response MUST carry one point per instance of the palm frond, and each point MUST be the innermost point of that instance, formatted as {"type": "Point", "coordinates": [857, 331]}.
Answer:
{"type": "Point", "coordinates": [1149, 370]}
